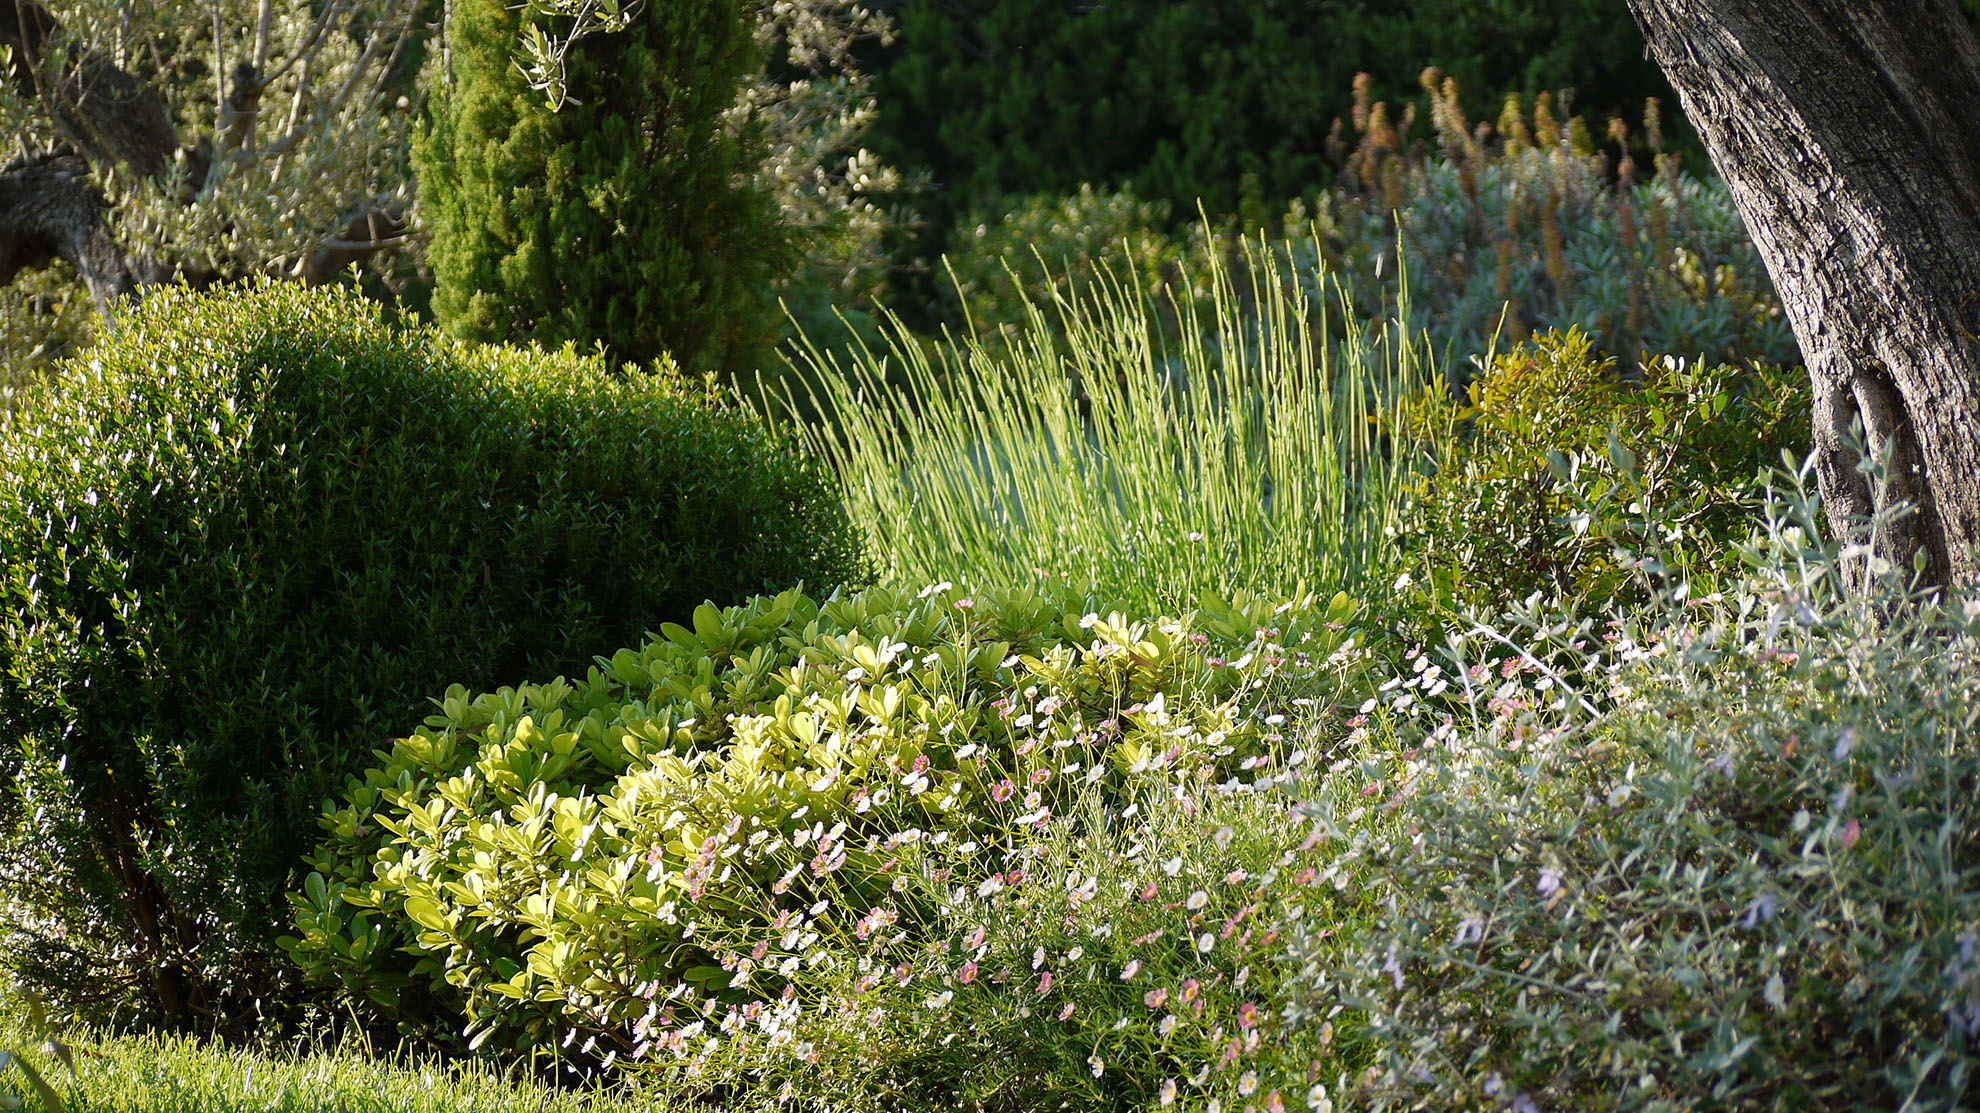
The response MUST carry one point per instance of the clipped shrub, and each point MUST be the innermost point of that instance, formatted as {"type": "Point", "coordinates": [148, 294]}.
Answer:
{"type": "Point", "coordinates": [705, 827]}
{"type": "Point", "coordinates": [1547, 465]}
{"type": "Point", "coordinates": [616, 207]}
{"type": "Point", "coordinates": [1738, 870]}
{"type": "Point", "coordinates": [242, 543]}
{"type": "Point", "coordinates": [1528, 223]}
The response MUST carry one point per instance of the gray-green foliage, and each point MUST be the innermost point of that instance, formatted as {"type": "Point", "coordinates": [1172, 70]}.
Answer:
{"type": "Point", "coordinates": [1535, 214]}
{"type": "Point", "coordinates": [1721, 856]}
{"type": "Point", "coordinates": [242, 542]}
{"type": "Point", "coordinates": [1493, 235]}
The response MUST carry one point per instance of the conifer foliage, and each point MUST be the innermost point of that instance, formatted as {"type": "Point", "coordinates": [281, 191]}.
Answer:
{"type": "Point", "coordinates": [615, 207]}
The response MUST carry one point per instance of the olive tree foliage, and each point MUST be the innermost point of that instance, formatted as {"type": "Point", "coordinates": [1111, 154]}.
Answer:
{"type": "Point", "coordinates": [210, 139]}
{"type": "Point", "coordinates": [814, 111]}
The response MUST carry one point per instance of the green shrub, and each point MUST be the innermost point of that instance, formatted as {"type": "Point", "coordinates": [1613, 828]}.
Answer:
{"type": "Point", "coordinates": [712, 823]}
{"type": "Point", "coordinates": [1557, 457]}
{"type": "Point", "coordinates": [242, 542]}
{"type": "Point", "coordinates": [1738, 870]}
{"type": "Point", "coordinates": [1525, 223]}
{"type": "Point", "coordinates": [1129, 959]}
{"type": "Point", "coordinates": [627, 214]}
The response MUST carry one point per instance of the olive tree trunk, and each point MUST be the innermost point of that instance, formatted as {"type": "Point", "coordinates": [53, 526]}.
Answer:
{"type": "Point", "coordinates": [1849, 133]}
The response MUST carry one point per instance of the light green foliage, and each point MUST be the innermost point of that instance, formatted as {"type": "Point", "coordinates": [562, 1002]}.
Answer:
{"type": "Point", "coordinates": [175, 1073]}
{"type": "Point", "coordinates": [1535, 215]}
{"type": "Point", "coordinates": [626, 217]}
{"type": "Point", "coordinates": [1736, 868]}
{"type": "Point", "coordinates": [1238, 455]}
{"type": "Point", "coordinates": [705, 826]}
{"type": "Point", "coordinates": [1047, 250]}
{"type": "Point", "coordinates": [1553, 457]}
{"type": "Point", "coordinates": [238, 544]}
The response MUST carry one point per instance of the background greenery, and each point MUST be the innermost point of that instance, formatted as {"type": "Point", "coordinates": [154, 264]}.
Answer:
{"type": "Point", "coordinates": [1291, 680]}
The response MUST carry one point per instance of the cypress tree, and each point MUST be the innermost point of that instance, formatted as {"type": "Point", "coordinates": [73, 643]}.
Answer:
{"type": "Point", "coordinates": [625, 216]}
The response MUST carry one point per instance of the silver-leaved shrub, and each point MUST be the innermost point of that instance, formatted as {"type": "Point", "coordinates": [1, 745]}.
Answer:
{"type": "Point", "coordinates": [1726, 860]}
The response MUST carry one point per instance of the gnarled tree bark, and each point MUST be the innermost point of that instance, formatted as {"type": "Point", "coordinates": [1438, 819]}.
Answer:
{"type": "Point", "coordinates": [50, 208]}
{"type": "Point", "coordinates": [1845, 129]}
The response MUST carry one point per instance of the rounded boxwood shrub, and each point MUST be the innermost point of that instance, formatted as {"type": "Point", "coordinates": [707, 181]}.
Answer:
{"type": "Point", "coordinates": [712, 820]}
{"type": "Point", "coordinates": [245, 539]}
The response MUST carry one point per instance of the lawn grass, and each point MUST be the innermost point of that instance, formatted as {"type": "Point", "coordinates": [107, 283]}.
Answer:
{"type": "Point", "coordinates": [163, 1073]}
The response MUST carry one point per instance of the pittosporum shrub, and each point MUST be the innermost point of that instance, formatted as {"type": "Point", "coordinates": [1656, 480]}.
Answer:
{"type": "Point", "coordinates": [713, 825]}
{"type": "Point", "coordinates": [243, 541]}
{"type": "Point", "coordinates": [1544, 471]}
{"type": "Point", "coordinates": [1739, 869]}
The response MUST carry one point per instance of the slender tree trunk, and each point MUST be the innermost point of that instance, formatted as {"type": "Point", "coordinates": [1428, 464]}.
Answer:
{"type": "Point", "coordinates": [1849, 133]}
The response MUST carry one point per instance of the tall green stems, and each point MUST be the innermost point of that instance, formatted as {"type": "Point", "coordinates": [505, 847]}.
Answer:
{"type": "Point", "coordinates": [1241, 445]}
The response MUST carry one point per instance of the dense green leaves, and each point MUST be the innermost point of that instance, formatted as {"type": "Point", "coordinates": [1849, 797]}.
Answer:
{"type": "Point", "coordinates": [242, 543]}
{"type": "Point", "coordinates": [1181, 102]}
{"type": "Point", "coordinates": [1549, 468]}
{"type": "Point", "coordinates": [626, 217]}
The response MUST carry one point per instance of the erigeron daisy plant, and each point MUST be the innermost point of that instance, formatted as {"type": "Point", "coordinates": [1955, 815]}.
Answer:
{"type": "Point", "coordinates": [1719, 852]}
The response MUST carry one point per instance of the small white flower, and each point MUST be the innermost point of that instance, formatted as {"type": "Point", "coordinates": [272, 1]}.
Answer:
{"type": "Point", "coordinates": [1549, 883]}
{"type": "Point", "coordinates": [1762, 909]}
{"type": "Point", "coordinates": [1205, 942]}
{"type": "Point", "coordinates": [1168, 1093]}
{"type": "Point", "coordinates": [1845, 742]}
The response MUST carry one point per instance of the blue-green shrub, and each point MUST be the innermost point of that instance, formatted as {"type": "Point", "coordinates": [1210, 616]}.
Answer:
{"type": "Point", "coordinates": [242, 541]}
{"type": "Point", "coordinates": [1532, 222]}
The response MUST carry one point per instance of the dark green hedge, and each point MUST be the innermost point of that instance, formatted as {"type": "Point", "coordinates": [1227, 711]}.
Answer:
{"type": "Point", "coordinates": [242, 543]}
{"type": "Point", "coordinates": [1181, 101]}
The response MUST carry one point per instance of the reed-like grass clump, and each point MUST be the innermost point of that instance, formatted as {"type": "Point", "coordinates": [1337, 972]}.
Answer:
{"type": "Point", "coordinates": [1244, 449]}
